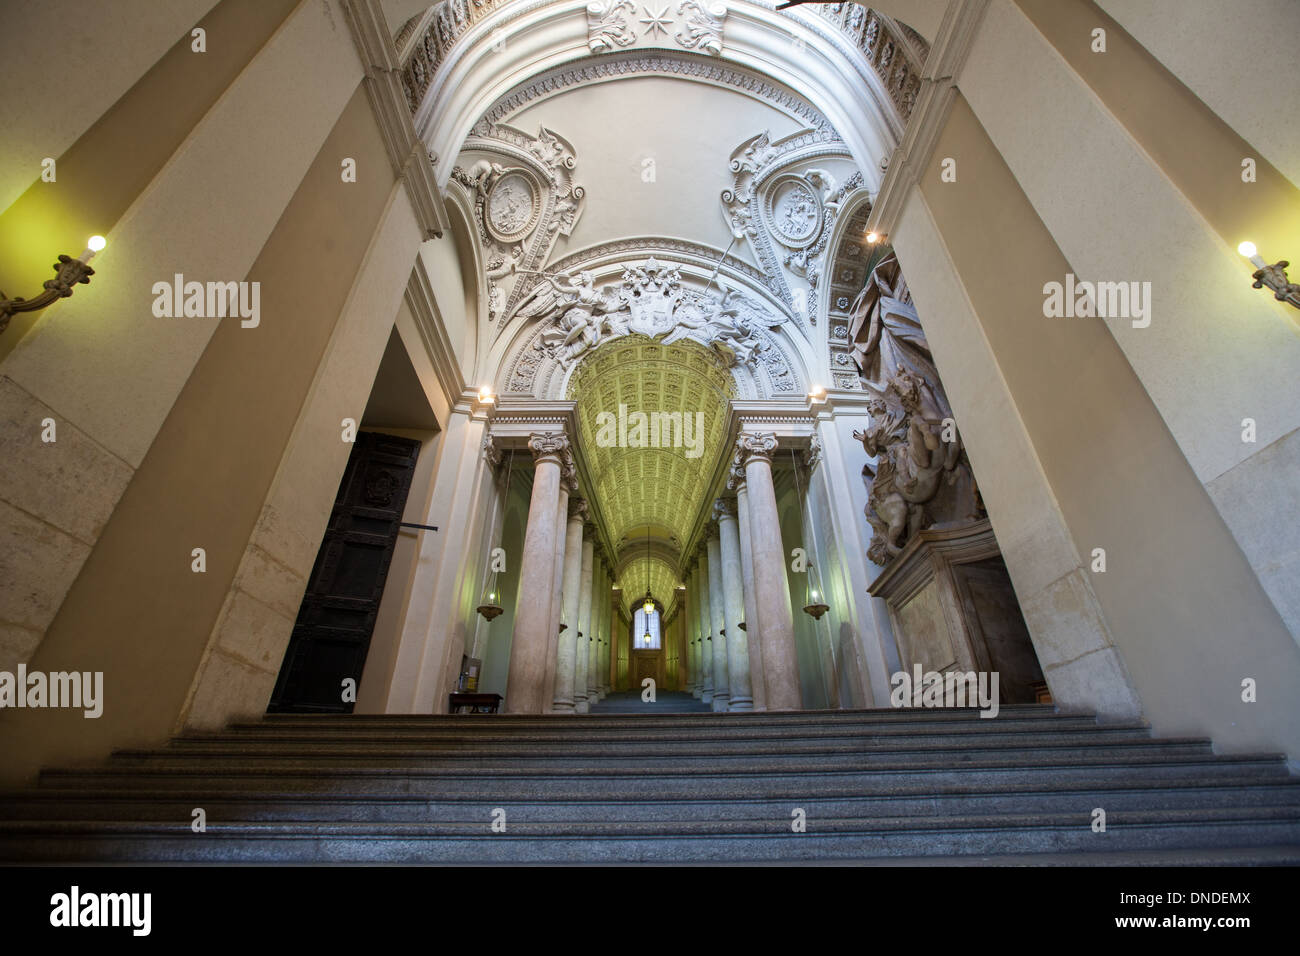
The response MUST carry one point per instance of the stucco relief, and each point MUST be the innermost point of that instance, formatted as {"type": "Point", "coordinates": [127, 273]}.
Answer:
{"type": "Point", "coordinates": [520, 208]}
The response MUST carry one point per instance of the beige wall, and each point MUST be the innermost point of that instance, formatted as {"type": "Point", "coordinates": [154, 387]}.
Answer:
{"type": "Point", "coordinates": [63, 63]}
{"type": "Point", "coordinates": [100, 363]}
{"type": "Point", "coordinates": [137, 611]}
{"type": "Point", "coordinates": [1178, 600]}
{"type": "Point", "coordinates": [1108, 170]}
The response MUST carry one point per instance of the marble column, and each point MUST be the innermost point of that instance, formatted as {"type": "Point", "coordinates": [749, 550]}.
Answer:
{"type": "Point", "coordinates": [603, 596]}
{"type": "Point", "coordinates": [531, 640]}
{"type": "Point", "coordinates": [606, 608]}
{"type": "Point", "coordinates": [563, 702]}
{"type": "Point", "coordinates": [754, 645]}
{"type": "Point", "coordinates": [718, 621]}
{"type": "Point", "coordinates": [688, 623]}
{"type": "Point", "coordinates": [706, 629]}
{"type": "Point", "coordinates": [775, 621]}
{"type": "Point", "coordinates": [581, 695]}
{"type": "Point", "coordinates": [593, 646]}
{"type": "Point", "coordinates": [733, 606]}
{"type": "Point", "coordinates": [567, 487]}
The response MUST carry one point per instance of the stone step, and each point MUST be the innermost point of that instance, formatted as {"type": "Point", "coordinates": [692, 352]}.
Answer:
{"type": "Point", "coordinates": [600, 722]}
{"type": "Point", "coordinates": [509, 747]}
{"type": "Point", "coordinates": [738, 841]}
{"type": "Point", "coordinates": [952, 732]}
{"type": "Point", "coordinates": [1025, 752]}
{"type": "Point", "coordinates": [631, 783]}
{"type": "Point", "coordinates": [350, 806]}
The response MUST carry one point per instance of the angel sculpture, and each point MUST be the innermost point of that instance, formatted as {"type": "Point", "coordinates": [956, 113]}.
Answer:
{"type": "Point", "coordinates": [578, 309]}
{"type": "Point", "coordinates": [731, 335]}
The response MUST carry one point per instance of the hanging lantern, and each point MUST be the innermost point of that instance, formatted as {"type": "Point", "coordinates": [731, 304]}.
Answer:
{"type": "Point", "coordinates": [491, 606]}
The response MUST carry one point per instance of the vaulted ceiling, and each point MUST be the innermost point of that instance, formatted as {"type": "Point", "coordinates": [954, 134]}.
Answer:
{"type": "Point", "coordinates": [661, 489]}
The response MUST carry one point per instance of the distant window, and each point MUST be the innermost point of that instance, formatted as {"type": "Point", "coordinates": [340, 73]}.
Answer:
{"type": "Point", "coordinates": [641, 627]}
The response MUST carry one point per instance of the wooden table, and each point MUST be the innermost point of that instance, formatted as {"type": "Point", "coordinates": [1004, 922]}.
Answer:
{"type": "Point", "coordinates": [477, 703]}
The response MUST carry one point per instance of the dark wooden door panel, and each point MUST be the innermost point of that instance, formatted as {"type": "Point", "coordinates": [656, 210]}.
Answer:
{"type": "Point", "coordinates": [332, 634]}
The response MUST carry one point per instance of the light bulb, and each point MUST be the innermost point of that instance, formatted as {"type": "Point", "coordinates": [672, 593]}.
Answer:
{"type": "Point", "coordinates": [1247, 249]}
{"type": "Point", "coordinates": [872, 238]}
{"type": "Point", "coordinates": [93, 245]}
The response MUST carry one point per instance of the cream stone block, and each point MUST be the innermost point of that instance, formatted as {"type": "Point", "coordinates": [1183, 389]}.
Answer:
{"type": "Point", "coordinates": [38, 564]}
{"type": "Point", "coordinates": [72, 482]}
{"type": "Point", "coordinates": [16, 645]}
{"type": "Point", "coordinates": [254, 633]}
{"type": "Point", "coordinates": [265, 579]}
{"type": "Point", "coordinates": [232, 690]}
{"type": "Point", "coordinates": [1260, 504]}
{"type": "Point", "coordinates": [293, 540]}
{"type": "Point", "coordinates": [1096, 683]}
{"type": "Point", "coordinates": [1065, 620]}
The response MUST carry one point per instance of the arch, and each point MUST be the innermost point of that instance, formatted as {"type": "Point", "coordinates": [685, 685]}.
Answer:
{"type": "Point", "coordinates": [510, 46]}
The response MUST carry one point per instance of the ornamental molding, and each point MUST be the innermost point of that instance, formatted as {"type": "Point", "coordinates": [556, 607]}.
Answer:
{"type": "Point", "coordinates": [615, 24]}
{"type": "Point", "coordinates": [690, 66]}
{"type": "Point", "coordinates": [894, 52]}
{"type": "Point", "coordinates": [441, 31]}
{"type": "Point", "coordinates": [787, 214]}
{"type": "Point", "coordinates": [665, 301]}
{"type": "Point", "coordinates": [522, 204]}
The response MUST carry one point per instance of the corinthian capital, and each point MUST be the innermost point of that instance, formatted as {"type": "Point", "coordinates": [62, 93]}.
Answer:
{"type": "Point", "coordinates": [736, 473]}
{"type": "Point", "coordinates": [752, 445]}
{"type": "Point", "coordinates": [548, 443]}
{"type": "Point", "coordinates": [578, 509]}
{"type": "Point", "coordinates": [724, 509]}
{"type": "Point", "coordinates": [491, 453]}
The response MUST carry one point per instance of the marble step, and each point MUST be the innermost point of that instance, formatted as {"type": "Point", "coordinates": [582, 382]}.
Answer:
{"type": "Point", "coordinates": [736, 841]}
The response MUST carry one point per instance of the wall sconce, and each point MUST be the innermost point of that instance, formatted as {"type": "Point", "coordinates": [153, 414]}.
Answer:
{"type": "Point", "coordinates": [69, 272]}
{"type": "Point", "coordinates": [818, 394]}
{"type": "Point", "coordinates": [486, 396]}
{"type": "Point", "coordinates": [1274, 276]}
{"type": "Point", "coordinates": [873, 237]}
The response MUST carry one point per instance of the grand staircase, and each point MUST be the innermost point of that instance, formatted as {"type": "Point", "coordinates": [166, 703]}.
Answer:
{"type": "Point", "coordinates": [895, 786]}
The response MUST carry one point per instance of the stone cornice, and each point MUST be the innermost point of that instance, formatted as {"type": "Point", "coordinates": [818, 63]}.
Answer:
{"type": "Point", "coordinates": [421, 301]}
{"type": "Point", "coordinates": [383, 84]}
{"type": "Point", "coordinates": [938, 89]}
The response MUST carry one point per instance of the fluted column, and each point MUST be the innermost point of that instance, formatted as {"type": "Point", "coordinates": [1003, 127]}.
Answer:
{"type": "Point", "coordinates": [564, 668]}
{"type": "Point", "coordinates": [531, 641]}
{"type": "Point", "coordinates": [718, 621]}
{"type": "Point", "coordinates": [775, 621]}
{"type": "Point", "coordinates": [706, 629]}
{"type": "Point", "coordinates": [581, 695]}
{"type": "Point", "coordinates": [753, 644]}
{"type": "Point", "coordinates": [733, 606]}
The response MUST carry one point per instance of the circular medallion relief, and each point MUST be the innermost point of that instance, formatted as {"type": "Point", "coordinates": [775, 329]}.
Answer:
{"type": "Point", "coordinates": [512, 206]}
{"type": "Point", "coordinates": [794, 212]}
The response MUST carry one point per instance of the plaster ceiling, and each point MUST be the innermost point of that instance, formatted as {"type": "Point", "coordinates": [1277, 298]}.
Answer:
{"type": "Point", "coordinates": [653, 154]}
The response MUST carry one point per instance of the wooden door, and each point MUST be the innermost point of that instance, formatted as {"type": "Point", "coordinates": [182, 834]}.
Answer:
{"type": "Point", "coordinates": [332, 634]}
